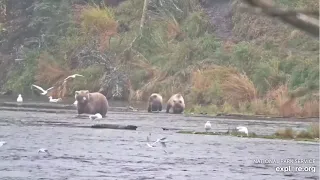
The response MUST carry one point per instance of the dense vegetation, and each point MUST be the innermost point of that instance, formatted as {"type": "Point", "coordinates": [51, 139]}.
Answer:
{"type": "Point", "coordinates": [266, 67]}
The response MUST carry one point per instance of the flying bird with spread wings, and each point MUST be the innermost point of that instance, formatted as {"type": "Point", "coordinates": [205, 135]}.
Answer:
{"type": "Point", "coordinates": [72, 76]}
{"type": "Point", "coordinates": [44, 92]}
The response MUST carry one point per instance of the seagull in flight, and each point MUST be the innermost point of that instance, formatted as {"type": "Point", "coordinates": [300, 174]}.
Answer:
{"type": "Point", "coordinates": [2, 143]}
{"type": "Point", "coordinates": [43, 150]}
{"type": "Point", "coordinates": [44, 92]}
{"type": "Point", "coordinates": [72, 76]}
{"type": "Point", "coordinates": [161, 140]}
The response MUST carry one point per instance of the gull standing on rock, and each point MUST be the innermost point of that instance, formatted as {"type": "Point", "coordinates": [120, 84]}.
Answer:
{"type": "Point", "coordinates": [44, 92]}
{"type": "Point", "coordinates": [207, 126]}
{"type": "Point", "coordinates": [19, 99]}
{"type": "Point", "coordinates": [54, 100]}
{"type": "Point", "coordinates": [243, 129]}
{"type": "Point", "coordinates": [96, 116]}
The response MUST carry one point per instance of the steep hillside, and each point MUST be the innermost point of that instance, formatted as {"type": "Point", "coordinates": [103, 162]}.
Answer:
{"type": "Point", "coordinates": [220, 15]}
{"type": "Point", "coordinates": [221, 59]}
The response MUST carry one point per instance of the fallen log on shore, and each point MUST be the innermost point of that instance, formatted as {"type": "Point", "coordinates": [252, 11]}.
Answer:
{"type": "Point", "coordinates": [77, 125]}
{"type": "Point", "coordinates": [114, 126]}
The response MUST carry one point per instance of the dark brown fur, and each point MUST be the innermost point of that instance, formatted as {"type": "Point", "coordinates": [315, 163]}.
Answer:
{"type": "Point", "coordinates": [155, 102]}
{"type": "Point", "coordinates": [91, 103]}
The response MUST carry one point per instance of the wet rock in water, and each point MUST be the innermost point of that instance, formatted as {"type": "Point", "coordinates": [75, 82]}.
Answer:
{"type": "Point", "coordinates": [114, 126]}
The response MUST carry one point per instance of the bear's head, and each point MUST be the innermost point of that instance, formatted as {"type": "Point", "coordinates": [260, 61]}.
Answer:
{"type": "Point", "coordinates": [82, 96]}
{"type": "Point", "coordinates": [155, 97]}
{"type": "Point", "coordinates": [178, 101]}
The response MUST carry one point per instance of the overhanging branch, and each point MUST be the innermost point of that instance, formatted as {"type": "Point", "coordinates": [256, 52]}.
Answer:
{"type": "Point", "coordinates": [306, 20]}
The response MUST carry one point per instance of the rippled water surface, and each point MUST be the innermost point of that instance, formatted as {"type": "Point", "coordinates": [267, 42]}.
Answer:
{"type": "Point", "coordinates": [84, 153]}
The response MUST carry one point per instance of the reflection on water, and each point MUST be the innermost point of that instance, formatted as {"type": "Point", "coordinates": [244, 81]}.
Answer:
{"type": "Point", "coordinates": [70, 100]}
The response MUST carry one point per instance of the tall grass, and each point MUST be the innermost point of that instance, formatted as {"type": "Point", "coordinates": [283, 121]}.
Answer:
{"type": "Point", "coordinates": [98, 19]}
{"type": "Point", "coordinates": [225, 83]}
{"type": "Point", "coordinates": [49, 71]}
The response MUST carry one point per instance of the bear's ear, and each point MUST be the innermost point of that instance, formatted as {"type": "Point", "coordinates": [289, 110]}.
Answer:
{"type": "Point", "coordinates": [87, 94]}
{"type": "Point", "coordinates": [77, 93]}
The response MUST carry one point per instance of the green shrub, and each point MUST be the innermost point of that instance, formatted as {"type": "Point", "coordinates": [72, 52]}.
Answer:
{"type": "Point", "coordinates": [22, 78]}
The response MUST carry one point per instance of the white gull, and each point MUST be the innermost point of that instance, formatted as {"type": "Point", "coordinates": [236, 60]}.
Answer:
{"type": "Point", "coordinates": [96, 116]}
{"type": "Point", "coordinates": [207, 126]}
{"type": "Point", "coordinates": [44, 92]}
{"type": "Point", "coordinates": [54, 100]}
{"type": "Point", "coordinates": [19, 99]}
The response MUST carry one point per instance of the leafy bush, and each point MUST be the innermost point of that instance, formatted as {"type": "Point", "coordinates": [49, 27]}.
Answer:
{"type": "Point", "coordinates": [23, 77]}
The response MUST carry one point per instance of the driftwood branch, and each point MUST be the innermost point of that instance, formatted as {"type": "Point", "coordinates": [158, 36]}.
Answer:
{"type": "Point", "coordinates": [306, 20]}
{"type": "Point", "coordinates": [142, 22]}
{"type": "Point", "coordinates": [144, 11]}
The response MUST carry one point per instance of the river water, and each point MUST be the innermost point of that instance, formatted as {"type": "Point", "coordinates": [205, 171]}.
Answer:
{"type": "Point", "coordinates": [83, 153]}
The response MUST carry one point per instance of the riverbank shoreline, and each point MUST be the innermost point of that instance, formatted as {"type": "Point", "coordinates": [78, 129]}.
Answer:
{"type": "Point", "coordinates": [273, 137]}
{"type": "Point", "coordinates": [257, 117]}
{"type": "Point", "coordinates": [56, 108]}
{"type": "Point", "coordinates": [67, 108]}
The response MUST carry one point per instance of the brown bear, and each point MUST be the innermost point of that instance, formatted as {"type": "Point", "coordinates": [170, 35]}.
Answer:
{"type": "Point", "coordinates": [91, 103]}
{"type": "Point", "coordinates": [155, 102]}
{"type": "Point", "coordinates": [176, 102]}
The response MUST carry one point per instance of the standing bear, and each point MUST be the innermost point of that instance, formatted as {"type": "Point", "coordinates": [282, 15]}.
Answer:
{"type": "Point", "coordinates": [91, 103]}
{"type": "Point", "coordinates": [155, 102]}
{"type": "Point", "coordinates": [176, 102]}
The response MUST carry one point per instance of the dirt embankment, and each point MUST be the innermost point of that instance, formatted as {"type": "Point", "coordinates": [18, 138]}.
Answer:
{"type": "Point", "coordinates": [220, 15]}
